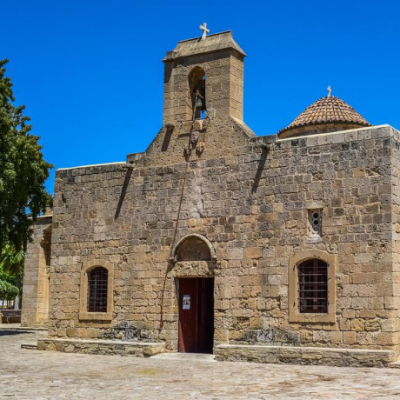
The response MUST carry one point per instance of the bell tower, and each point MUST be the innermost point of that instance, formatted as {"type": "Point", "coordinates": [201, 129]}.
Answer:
{"type": "Point", "coordinates": [204, 76]}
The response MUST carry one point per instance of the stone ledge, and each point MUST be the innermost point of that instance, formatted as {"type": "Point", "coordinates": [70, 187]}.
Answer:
{"type": "Point", "coordinates": [29, 346]}
{"type": "Point", "coordinates": [10, 316]}
{"type": "Point", "coordinates": [104, 347]}
{"type": "Point", "coordinates": [395, 365]}
{"type": "Point", "coordinates": [337, 357]}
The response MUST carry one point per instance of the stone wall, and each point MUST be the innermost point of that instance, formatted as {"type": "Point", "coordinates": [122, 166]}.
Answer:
{"type": "Point", "coordinates": [224, 85]}
{"type": "Point", "coordinates": [35, 301]}
{"type": "Point", "coordinates": [250, 198]}
{"type": "Point", "coordinates": [392, 305]}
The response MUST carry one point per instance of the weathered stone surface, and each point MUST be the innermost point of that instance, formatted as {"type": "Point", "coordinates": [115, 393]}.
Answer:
{"type": "Point", "coordinates": [252, 247]}
{"type": "Point", "coordinates": [306, 355]}
{"type": "Point", "coordinates": [105, 347]}
{"type": "Point", "coordinates": [249, 198]}
{"type": "Point", "coordinates": [35, 301]}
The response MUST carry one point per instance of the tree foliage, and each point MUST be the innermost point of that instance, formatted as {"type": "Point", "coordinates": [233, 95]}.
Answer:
{"type": "Point", "coordinates": [23, 171]}
{"type": "Point", "coordinates": [11, 259]}
{"type": "Point", "coordinates": [11, 268]}
{"type": "Point", "coordinates": [11, 264]}
{"type": "Point", "coordinates": [8, 291]}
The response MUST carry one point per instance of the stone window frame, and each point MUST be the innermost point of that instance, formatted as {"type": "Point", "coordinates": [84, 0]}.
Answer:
{"type": "Point", "coordinates": [294, 312]}
{"type": "Point", "coordinates": [84, 314]}
{"type": "Point", "coordinates": [315, 222]}
{"type": "Point", "coordinates": [314, 236]}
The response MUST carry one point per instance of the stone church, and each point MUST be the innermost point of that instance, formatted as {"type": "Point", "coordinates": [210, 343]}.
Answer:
{"type": "Point", "coordinates": [279, 248]}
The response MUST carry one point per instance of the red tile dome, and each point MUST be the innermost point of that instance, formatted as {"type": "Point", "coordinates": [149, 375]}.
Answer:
{"type": "Point", "coordinates": [325, 115]}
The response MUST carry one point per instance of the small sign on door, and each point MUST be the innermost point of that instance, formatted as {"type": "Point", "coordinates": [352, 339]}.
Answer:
{"type": "Point", "coordinates": [186, 302]}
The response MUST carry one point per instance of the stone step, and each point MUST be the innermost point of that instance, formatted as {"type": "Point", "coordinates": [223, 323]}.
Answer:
{"type": "Point", "coordinates": [340, 357]}
{"type": "Point", "coordinates": [185, 357]}
{"type": "Point", "coordinates": [29, 346]}
{"type": "Point", "coordinates": [395, 365]}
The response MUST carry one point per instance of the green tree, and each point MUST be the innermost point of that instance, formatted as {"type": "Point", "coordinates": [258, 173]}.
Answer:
{"type": "Point", "coordinates": [23, 171]}
{"type": "Point", "coordinates": [8, 291]}
{"type": "Point", "coordinates": [9, 288]}
{"type": "Point", "coordinates": [12, 262]}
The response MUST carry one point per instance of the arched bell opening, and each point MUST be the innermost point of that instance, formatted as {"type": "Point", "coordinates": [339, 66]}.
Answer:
{"type": "Point", "coordinates": [197, 94]}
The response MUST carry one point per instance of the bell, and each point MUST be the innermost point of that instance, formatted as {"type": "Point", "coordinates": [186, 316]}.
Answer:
{"type": "Point", "coordinates": [199, 102]}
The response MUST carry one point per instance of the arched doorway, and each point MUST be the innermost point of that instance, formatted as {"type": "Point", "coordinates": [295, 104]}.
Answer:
{"type": "Point", "coordinates": [195, 296]}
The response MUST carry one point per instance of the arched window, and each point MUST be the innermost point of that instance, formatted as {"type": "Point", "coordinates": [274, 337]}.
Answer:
{"type": "Point", "coordinates": [97, 290]}
{"type": "Point", "coordinates": [313, 286]}
{"type": "Point", "coordinates": [197, 93]}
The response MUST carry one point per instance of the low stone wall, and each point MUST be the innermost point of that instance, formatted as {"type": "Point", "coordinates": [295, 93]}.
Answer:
{"type": "Point", "coordinates": [10, 316]}
{"type": "Point", "coordinates": [104, 347]}
{"type": "Point", "coordinates": [306, 355]}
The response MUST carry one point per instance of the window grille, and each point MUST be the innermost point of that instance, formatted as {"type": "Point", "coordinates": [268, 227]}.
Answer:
{"type": "Point", "coordinates": [313, 286]}
{"type": "Point", "coordinates": [97, 290]}
{"type": "Point", "coordinates": [315, 221]}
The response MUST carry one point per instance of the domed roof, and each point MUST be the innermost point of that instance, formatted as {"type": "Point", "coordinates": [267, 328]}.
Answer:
{"type": "Point", "coordinates": [326, 111]}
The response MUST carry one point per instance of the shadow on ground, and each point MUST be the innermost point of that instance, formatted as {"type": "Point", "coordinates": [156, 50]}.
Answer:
{"type": "Point", "coordinates": [5, 332]}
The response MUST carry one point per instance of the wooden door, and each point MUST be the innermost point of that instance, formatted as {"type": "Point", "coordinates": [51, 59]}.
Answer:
{"type": "Point", "coordinates": [196, 315]}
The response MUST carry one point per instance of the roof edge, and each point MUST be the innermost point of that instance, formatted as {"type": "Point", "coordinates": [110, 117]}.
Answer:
{"type": "Point", "coordinates": [199, 37]}
{"type": "Point", "coordinates": [338, 132]}
{"type": "Point", "coordinates": [91, 165]}
{"type": "Point", "coordinates": [195, 46]}
{"type": "Point", "coordinates": [288, 128]}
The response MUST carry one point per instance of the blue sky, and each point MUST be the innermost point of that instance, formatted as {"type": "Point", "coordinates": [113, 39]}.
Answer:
{"type": "Point", "coordinates": [91, 76]}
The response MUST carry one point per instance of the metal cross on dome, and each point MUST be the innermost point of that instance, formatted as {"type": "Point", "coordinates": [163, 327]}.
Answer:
{"type": "Point", "coordinates": [205, 30]}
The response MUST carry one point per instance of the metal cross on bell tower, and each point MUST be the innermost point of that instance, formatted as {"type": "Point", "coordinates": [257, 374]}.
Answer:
{"type": "Point", "coordinates": [205, 30]}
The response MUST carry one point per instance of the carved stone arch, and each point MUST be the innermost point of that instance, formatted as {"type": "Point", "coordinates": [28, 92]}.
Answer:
{"type": "Point", "coordinates": [309, 254]}
{"type": "Point", "coordinates": [193, 256]}
{"type": "Point", "coordinates": [194, 236]}
{"type": "Point", "coordinates": [197, 70]}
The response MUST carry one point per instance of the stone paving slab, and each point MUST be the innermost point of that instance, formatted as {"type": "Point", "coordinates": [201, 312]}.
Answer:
{"type": "Point", "coordinates": [43, 375]}
{"type": "Point", "coordinates": [18, 327]}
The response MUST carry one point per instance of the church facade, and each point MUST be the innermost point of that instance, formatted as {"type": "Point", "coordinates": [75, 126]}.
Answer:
{"type": "Point", "coordinates": [280, 248]}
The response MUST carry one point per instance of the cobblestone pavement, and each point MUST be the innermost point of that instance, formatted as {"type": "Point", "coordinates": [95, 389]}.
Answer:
{"type": "Point", "coordinates": [34, 375]}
